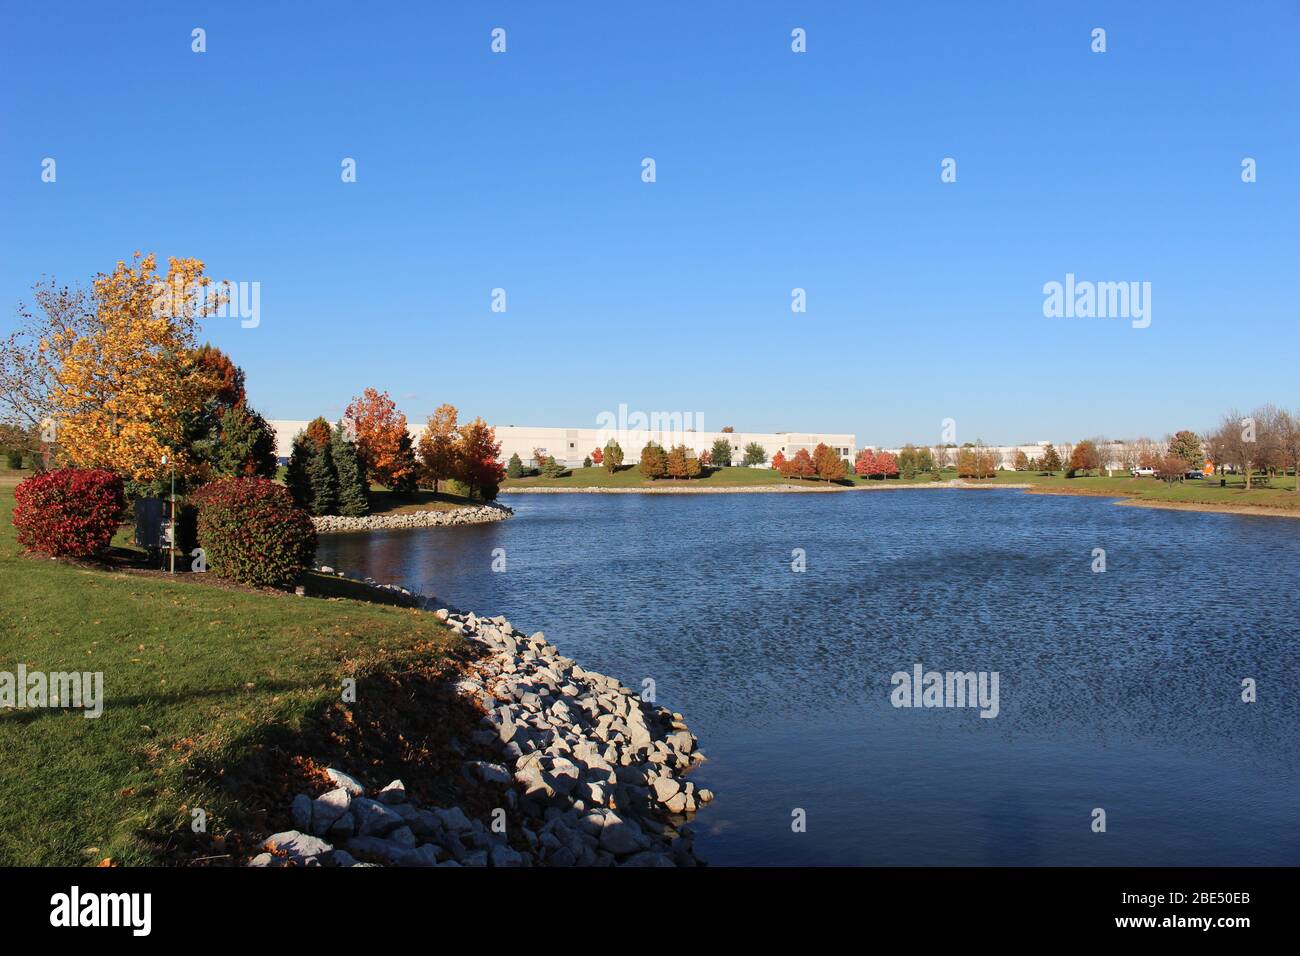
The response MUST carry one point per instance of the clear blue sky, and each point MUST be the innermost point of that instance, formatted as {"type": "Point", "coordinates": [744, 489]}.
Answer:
{"type": "Point", "coordinates": [775, 170]}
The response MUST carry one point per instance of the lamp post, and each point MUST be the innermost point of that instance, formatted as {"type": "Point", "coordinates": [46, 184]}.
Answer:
{"type": "Point", "coordinates": [171, 536]}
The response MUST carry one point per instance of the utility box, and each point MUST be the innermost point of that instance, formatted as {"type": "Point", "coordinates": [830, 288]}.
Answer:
{"type": "Point", "coordinates": [149, 523]}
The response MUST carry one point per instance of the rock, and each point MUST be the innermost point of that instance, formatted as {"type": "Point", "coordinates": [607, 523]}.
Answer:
{"type": "Point", "coordinates": [666, 788]}
{"type": "Point", "coordinates": [374, 818]}
{"type": "Point", "coordinates": [300, 810]}
{"type": "Point", "coordinates": [424, 855]}
{"type": "Point", "coordinates": [620, 836]}
{"type": "Point", "coordinates": [706, 796]}
{"type": "Point", "coordinates": [395, 792]}
{"type": "Point", "coordinates": [454, 819]}
{"type": "Point", "coordinates": [475, 859]}
{"type": "Point", "coordinates": [265, 859]}
{"type": "Point", "coordinates": [328, 808]}
{"type": "Point", "coordinates": [348, 782]}
{"type": "Point", "coordinates": [677, 803]}
{"type": "Point", "coordinates": [562, 857]}
{"type": "Point", "coordinates": [403, 836]}
{"type": "Point", "coordinates": [502, 855]}
{"type": "Point", "coordinates": [489, 772]}
{"type": "Point", "coordinates": [376, 850]}
{"type": "Point", "coordinates": [342, 828]}
{"type": "Point", "coordinates": [296, 846]}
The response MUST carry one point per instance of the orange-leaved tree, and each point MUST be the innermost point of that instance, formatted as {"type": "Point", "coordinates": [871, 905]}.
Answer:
{"type": "Point", "coordinates": [830, 466]}
{"type": "Point", "coordinates": [438, 445]}
{"type": "Point", "coordinates": [380, 429]}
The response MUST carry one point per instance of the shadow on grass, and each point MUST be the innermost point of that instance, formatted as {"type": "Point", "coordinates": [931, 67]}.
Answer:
{"type": "Point", "coordinates": [408, 723]}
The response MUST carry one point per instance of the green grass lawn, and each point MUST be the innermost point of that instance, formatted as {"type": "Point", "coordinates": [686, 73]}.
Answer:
{"type": "Point", "coordinates": [1280, 493]}
{"type": "Point", "coordinates": [211, 693]}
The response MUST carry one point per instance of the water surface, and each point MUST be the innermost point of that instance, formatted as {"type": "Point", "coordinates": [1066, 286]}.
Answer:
{"type": "Point", "coordinates": [1119, 690]}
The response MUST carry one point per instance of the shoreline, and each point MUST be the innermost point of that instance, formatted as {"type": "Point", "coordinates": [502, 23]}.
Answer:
{"type": "Point", "coordinates": [473, 514]}
{"type": "Point", "coordinates": [956, 484]}
{"type": "Point", "coordinates": [584, 773]}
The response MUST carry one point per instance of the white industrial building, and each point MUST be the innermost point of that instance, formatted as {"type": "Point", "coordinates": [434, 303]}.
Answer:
{"type": "Point", "coordinates": [570, 446]}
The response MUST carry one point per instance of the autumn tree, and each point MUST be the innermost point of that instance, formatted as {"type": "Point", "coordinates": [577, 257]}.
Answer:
{"type": "Point", "coordinates": [227, 377]}
{"type": "Point", "coordinates": [121, 378]}
{"type": "Point", "coordinates": [597, 456]}
{"type": "Point", "coordinates": [1020, 461]}
{"type": "Point", "coordinates": [802, 465]}
{"type": "Point", "coordinates": [1083, 458]}
{"type": "Point", "coordinates": [704, 457]}
{"type": "Point", "coordinates": [694, 465]}
{"type": "Point", "coordinates": [438, 446]}
{"type": "Point", "coordinates": [379, 429]}
{"type": "Point", "coordinates": [613, 456]}
{"type": "Point", "coordinates": [779, 462]}
{"type": "Point", "coordinates": [830, 466]}
{"type": "Point", "coordinates": [886, 464]}
{"type": "Point", "coordinates": [864, 463]}
{"type": "Point", "coordinates": [477, 466]}
{"type": "Point", "coordinates": [721, 452]}
{"type": "Point", "coordinates": [675, 463]}
{"type": "Point", "coordinates": [654, 462]}
{"type": "Point", "coordinates": [754, 455]}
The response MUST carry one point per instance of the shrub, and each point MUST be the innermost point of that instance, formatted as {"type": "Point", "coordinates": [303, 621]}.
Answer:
{"type": "Point", "coordinates": [251, 531]}
{"type": "Point", "coordinates": [71, 511]}
{"type": "Point", "coordinates": [15, 458]}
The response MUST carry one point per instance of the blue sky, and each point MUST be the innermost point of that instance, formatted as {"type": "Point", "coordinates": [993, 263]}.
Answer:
{"type": "Point", "coordinates": [775, 170]}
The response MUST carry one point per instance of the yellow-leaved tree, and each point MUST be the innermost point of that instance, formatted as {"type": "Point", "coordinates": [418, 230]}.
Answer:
{"type": "Point", "coordinates": [124, 381]}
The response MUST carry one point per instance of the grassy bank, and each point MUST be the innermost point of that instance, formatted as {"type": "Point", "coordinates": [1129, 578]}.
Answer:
{"type": "Point", "coordinates": [1280, 496]}
{"type": "Point", "coordinates": [212, 695]}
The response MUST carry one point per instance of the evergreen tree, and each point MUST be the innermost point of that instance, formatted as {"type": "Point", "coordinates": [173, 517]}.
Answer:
{"type": "Point", "coordinates": [353, 499]}
{"type": "Point", "coordinates": [1051, 460]}
{"type": "Point", "coordinates": [295, 475]}
{"type": "Point", "coordinates": [247, 445]}
{"type": "Point", "coordinates": [323, 482]}
{"type": "Point", "coordinates": [515, 468]}
{"type": "Point", "coordinates": [407, 476]}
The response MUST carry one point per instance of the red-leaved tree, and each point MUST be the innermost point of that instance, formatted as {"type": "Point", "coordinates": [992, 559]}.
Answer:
{"type": "Point", "coordinates": [476, 460]}
{"type": "Point", "coordinates": [865, 463]}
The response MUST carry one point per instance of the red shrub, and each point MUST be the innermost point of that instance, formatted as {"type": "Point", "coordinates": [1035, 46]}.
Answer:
{"type": "Point", "coordinates": [251, 531]}
{"type": "Point", "coordinates": [71, 511]}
